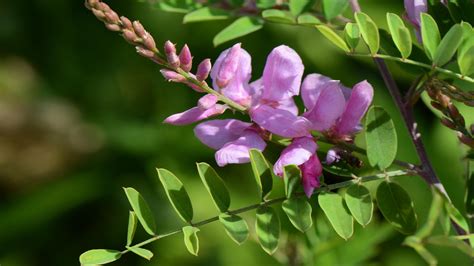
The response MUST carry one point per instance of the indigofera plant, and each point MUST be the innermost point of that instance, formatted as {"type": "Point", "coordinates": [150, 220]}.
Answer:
{"type": "Point", "coordinates": [333, 114]}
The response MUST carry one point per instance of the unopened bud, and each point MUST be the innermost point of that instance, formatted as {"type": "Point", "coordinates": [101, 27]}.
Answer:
{"type": "Point", "coordinates": [444, 100]}
{"type": "Point", "coordinates": [203, 70]}
{"type": "Point", "coordinates": [436, 105]}
{"type": "Point", "coordinates": [113, 27]}
{"type": "Point", "coordinates": [448, 123]}
{"type": "Point", "coordinates": [171, 56]}
{"type": "Point", "coordinates": [456, 116]}
{"type": "Point", "coordinates": [112, 17]}
{"type": "Point", "coordinates": [98, 14]}
{"type": "Point", "coordinates": [138, 28]}
{"type": "Point", "coordinates": [207, 101]}
{"type": "Point", "coordinates": [103, 6]}
{"type": "Point", "coordinates": [466, 140]}
{"type": "Point", "coordinates": [228, 66]}
{"type": "Point", "coordinates": [91, 3]}
{"type": "Point", "coordinates": [129, 36]}
{"type": "Point", "coordinates": [145, 52]}
{"type": "Point", "coordinates": [170, 75]}
{"type": "Point", "coordinates": [149, 42]}
{"type": "Point", "coordinates": [126, 23]}
{"type": "Point", "coordinates": [186, 59]}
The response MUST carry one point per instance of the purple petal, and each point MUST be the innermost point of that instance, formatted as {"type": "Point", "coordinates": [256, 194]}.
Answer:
{"type": "Point", "coordinates": [216, 133]}
{"type": "Point", "coordinates": [195, 114]}
{"type": "Point", "coordinates": [328, 108]}
{"type": "Point", "coordinates": [356, 106]}
{"type": "Point", "coordinates": [282, 74]}
{"type": "Point", "coordinates": [207, 101]}
{"type": "Point", "coordinates": [288, 105]}
{"type": "Point", "coordinates": [237, 151]}
{"type": "Point", "coordinates": [297, 153]}
{"type": "Point", "coordinates": [311, 88]}
{"type": "Point", "coordinates": [311, 170]}
{"type": "Point", "coordinates": [332, 156]}
{"type": "Point", "coordinates": [280, 122]}
{"type": "Point", "coordinates": [237, 87]}
{"type": "Point", "coordinates": [414, 8]}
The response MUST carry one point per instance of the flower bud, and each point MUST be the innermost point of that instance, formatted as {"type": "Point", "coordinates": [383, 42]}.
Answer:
{"type": "Point", "coordinates": [103, 6]}
{"type": "Point", "coordinates": [448, 123]}
{"type": "Point", "coordinates": [130, 36]}
{"type": "Point", "coordinates": [170, 75]}
{"type": "Point", "coordinates": [126, 23]}
{"type": "Point", "coordinates": [138, 28]}
{"type": "Point", "coordinates": [171, 56]}
{"type": "Point", "coordinates": [228, 66]}
{"type": "Point", "coordinates": [207, 101]}
{"type": "Point", "coordinates": [145, 52]}
{"type": "Point", "coordinates": [113, 27]}
{"type": "Point", "coordinates": [466, 140]}
{"type": "Point", "coordinates": [98, 14]}
{"type": "Point", "coordinates": [436, 105]}
{"type": "Point", "coordinates": [112, 17]}
{"type": "Point", "coordinates": [149, 42]}
{"type": "Point", "coordinates": [186, 59]}
{"type": "Point", "coordinates": [203, 70]}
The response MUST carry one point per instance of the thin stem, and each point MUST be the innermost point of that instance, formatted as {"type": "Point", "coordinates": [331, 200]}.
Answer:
{"type": "Point", "coordinates": [416, 63]}
{"type": "Point", "coordinates": [277, 200]}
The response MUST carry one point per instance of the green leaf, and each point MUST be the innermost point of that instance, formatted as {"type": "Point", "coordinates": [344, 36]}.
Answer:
{"type": "Point", "coordinates": [381, 138]}
{"type": "Point", "coordinates": [268, 229]}
{"type": "Point", "coordinates": [456, 216]}
{"type": "Point", "coordinates": [132, 227]}
{"type": "Point", "coordinates": [278, 16]}
{"type": "Point", "coordinates": [262, 171]}
{"type": "Point", "coordinates": [333, 207]}
{"type": "Point", "coordinates": [429, 34]}
{"type": "Point", "coordinates": [308, 19]}
{"type": "Point", "coordinates": [466, 61]}
{"type": "Point", "coordinates": [448, 45]}
{"type": "Point", "coordinates": [292, 179]}
{"type": "Point", "coordinates": [144, 253]}
{"type": "Point", "coordinates": [447, 241]}
{"type": "Point", "coordinates": [298, 6]}
{"type": "Point", "coordinates": [215, 186]}
{"type": "Point", "coordinates": [333, 37]}
{"type": "Point", "coordinates": [99, 256]}
{"type": "Point", "coordinates": [298, 211]}
{"type": "Point", "coordinates": [177, 6]}
{"type": "Point", "coordinates": [369, 31]}
{"type": "Point", "coordinates": [141, 209]}
{"type": "Point", "coordinates": [360, 204]}
{"type": "Point", "coordinates": [235, 227]}
{"type": "Point", "coordinates": [206, 14]}
{"type": "Point", "coordinates": [415, 243]}
{"type": "Point", "coordinates": [333, 8]}
{"type": "Point", "coordinates": [397, 207]}
{"type": "Point", "coordinates": [352, 35]}
{"type": "Point", "coordinates": [264, 4]}
{"type": "Point", "coordinates": [400, 34]}
{"type": "Point", "coordinates": [191, 240]}
{"type": "Point", "coordinates": [177, 194]}
{"type": "Point", "coordinates": [239, 28]}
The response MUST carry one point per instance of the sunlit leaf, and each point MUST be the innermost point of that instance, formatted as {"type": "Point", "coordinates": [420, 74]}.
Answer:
{"type": "Point", "coordinates": [141, 209]}
{"type": "Point", "coordinates": [430, 35]}
{"type": "Point", "coordinates": [262, 171]}
{"type": "Point", "coordinates": [369, 31]}
{"type": "Point", "coordinates": [215, 186]}
{"type": "Point", "coordinates": [268, 229]}
{"type": "Point", "coordinates": [206, 14]}
{"type": "Point", "coordinates": [400, 34]}
{"type": "Point", "coordinates": [333, 8]}
{"type": "Point", "coordinates": [191, 240]}
{"type": "Point", "coordinates": [99, 256]}
{"type": "Point", "coordinates": [360, 204]}
{"type": "Point", "coordinates": [308, 19]}
{"type": "Point", "coordinates": [177, 194]}
{"type": "Point", "coordinates": [447, 241]}
{"type": "Point", "coordinates": [456, 216]}
{"type": "Point", "coordinates": [236, 227]}
{"type": "Point", "coordinates": [279, 16]}
{"type": "Point", "coordinates": [448, 45]}
{"type": "Point", "coordinates": [298, 6]}
{"type": "Point", "coordinates": [333, 207]}
{"type": "Point", "coordinates": [132, 226]}
{"type": "Point", "coordinates": [292, 179]}
{"type": "Point", "coordinates": [333, 37]}
{"type": "Point", "coordinates": [144, 253]}
{"type": "Point", "coordinates": [352, 35]}
{"type": "Point", "coordinates": [298, 211]}
{"type": "Point", "coordinates": [239, 28]}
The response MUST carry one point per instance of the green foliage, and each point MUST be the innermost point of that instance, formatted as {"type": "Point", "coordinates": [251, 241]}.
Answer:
{"type": "Point", "coordinates": [206, 14]}
{"type": "Point", "coordinates": [359, 202]}
{"type": "Point", "coordinates": [400, 34]}
{"type": "Point", "coordinates": [308, 19]}
{"type": "Point", "coordinates": [298, 6]}
{"type": "Point", "coordinates": [448, 45]}
{"type": "Point", "coordinates": [291, 177]}
{"type": "Point", "coordinates": [335, 210]}
{"type": "Point", "coordinates": [352, 35]}
{"type": "Point", "coordinates": [215, 186]}
{"type": "Point", "coordinates": [397, 207]}
{"type": "Point", "coordinates": [235, 226]}
{"type": "Point", "coordinates": [132, 227]}
{"type": "Point", "coordinates": [99, 256]}
{"type": "Point", "coordinates": [141, 209]}
{"type": "Point", "coordinates": [298, 211]}
{"type": "Point", "coordinates": [262, 171]}
{"type": "Point", "coordinates": [264, 4]}
{"type": "Point", "coordinates": [381, 138]}
{"type": "Point", "coordinates": [456, 216]}
{"type": "Point", "coordinates": [279, 16]}
{"type": "Point", "coordinates": [333, 37]}
{"type": "Point", "coordinates": [177, 6]}
{"type": "Point", "coordinates": [430, 35]}
{"type": "Point", "coordinates": [144, 253]}
{"type": "Point", "coordinates": [238, 28]}
{"type": "Point", "coordinates": [332, 8]}
{"type": "Point", "coordinates": [268, 229]}
{"type": "Point", "coordinates": [448, 241]}
{"type": "Point", "coordinates": [191, 240]}
{"type": "Point", "coordinates": [177, 194]}
{"type": "Point", "coordinates": [369, 31]}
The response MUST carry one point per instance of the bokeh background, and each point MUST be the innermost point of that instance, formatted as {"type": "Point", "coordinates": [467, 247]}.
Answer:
{"type": "Point", "coordinates": [81, 117]}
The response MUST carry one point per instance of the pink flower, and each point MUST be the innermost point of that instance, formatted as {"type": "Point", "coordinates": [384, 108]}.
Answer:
{"type": "Point", "coordinates": [413, 9]}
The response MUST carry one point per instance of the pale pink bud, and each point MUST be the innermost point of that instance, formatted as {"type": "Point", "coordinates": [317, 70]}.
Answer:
{"type": "Point", "coordinates": [172, 57]}
{"type": "Point", "coordinates": [112, 17]}
{"type": "Point", "coordinates": [129, 36]}
{"type": "Point", "coordinates": [103, 6]}
{"type": "Point", "coordinates": [170, 75]}
{"type": "Point", "coordinates": [186, 59]}
{"type": "Point", "coordinates": [207, 101]}
{"type": "Point", "coordinates": [145, 52]}
{"type": "Point", "coordinates": [229, 66]}
{"type": "Point", "coordinates": [203, 70]}
{"type": "Point", "coordinates": [138, 27]}
{"type": "Point", "coordinates": [98, 14]}
{"type": "Point", "coordinates": [113, 27]}
{"type": "Point", "coordinates": [149, 42]}
{"type": "Point", "coordinates": [126, 23]}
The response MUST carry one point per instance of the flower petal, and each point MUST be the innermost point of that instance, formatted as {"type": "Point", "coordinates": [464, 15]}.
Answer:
{"type": "Point", "coordinates": [311, 170]}
{"type": "Point", "coordinates": [311, 88]}
{"type": "Point", "coordinates": [195, 114]}
{"type": "Point", "coordinates": [237, 151]}
{"type": "Point", "coordinates": [282, 74]}
{"type": "Point", "coordinates": [236, 86]}
{"type": "Point", "coordinates": [361, 97]}
{"type": "Point", "coordinates": [216, 133]}
{"type": "Point", "coordinates": [280, 122]}
{"type": "Point", "coordinates": [328, 108]}
{"type": "Point", "coordinates": [297, 153]}
{"type": "Point", "coordinates": [414, 8]}
{"type": "Point", "coordinates": [207, 101]}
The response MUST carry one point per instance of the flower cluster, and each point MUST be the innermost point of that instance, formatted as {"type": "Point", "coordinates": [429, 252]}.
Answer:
{"type": "Point", "coordinates": [330, 108]}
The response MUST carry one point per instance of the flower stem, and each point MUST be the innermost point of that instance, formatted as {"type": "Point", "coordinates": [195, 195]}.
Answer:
{"type": "Point", "coordinates": [278, 200]}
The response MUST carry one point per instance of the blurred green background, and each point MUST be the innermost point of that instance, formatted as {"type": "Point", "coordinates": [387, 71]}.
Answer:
{"type": "Point", "coordinates": [81, 117]}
